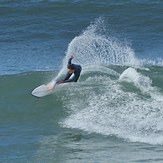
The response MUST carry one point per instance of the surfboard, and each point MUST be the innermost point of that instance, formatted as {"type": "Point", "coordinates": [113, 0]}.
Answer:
{"type": "Point", "coordinates": [44, 90]}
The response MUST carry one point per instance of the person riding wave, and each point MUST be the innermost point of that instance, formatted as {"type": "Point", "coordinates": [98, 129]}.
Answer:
{"type": "Point", "coordinates": [72, 69]}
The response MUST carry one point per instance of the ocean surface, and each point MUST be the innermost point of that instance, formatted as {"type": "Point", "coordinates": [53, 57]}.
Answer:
{"type": "Point", "coordinates": [114, 113]}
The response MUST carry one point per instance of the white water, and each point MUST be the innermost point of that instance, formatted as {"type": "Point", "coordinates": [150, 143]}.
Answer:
{"type": "Point", "coordinates": [94, 47]}
{"type": "Point", "coordinates": [142, 82]}
{"type": "Point", "coordinates": [102, 105]}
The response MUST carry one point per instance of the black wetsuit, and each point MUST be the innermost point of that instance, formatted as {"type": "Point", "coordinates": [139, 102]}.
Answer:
{"type": "Point", "coordinates": [77, 71]}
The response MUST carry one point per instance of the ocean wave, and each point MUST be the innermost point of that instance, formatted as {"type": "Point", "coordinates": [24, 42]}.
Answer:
{"type": "Point", "coordinates": [114, 100]}
{"type": "Point", "coordinates": [131, 110]}
{"type": "Point", "coordinates": [110, 100]}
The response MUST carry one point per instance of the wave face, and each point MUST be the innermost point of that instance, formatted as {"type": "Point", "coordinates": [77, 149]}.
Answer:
{"type": "Point", "coordinates": [125, 104]}
{"type": "Point", "coordinates": [113, 101]}
{"type": "Point", "coordinates": [108, 101]}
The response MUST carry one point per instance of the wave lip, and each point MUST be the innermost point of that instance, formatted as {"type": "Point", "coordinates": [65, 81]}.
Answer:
{"type": "Point", "coordinates": [94, 47]}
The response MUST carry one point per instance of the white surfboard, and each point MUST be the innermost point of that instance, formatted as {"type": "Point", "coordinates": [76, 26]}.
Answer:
{"type": "Point", "coordinates": [44, 90]}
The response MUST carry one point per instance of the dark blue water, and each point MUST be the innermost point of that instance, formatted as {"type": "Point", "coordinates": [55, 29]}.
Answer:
{"type": "Point", "coordinates": [34, 35]}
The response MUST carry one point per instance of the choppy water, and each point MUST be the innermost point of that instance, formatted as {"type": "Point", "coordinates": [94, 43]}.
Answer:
{"type": "Point", "coordinates": [34, 34]}
{"type": "Point", "coordinates": [114, 113]}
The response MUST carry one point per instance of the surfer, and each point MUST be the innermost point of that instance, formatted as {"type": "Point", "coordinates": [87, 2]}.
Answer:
{"type": "Point", "coordinates": [72, 69]}
{"type": "Point", "coordinates": [45, 90]}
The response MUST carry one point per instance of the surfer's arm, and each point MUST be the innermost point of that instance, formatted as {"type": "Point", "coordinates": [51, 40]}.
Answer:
{"type": "Point", "coordinates": [69, 80]}
{"type": "Point", "coordinates": [73, 79]}
{"type": "Point", "coordinates": [65, 81]}
{"type": "Point", "coordinates": [67, 77]}
{"type": "Point", "coordinates": [70, 59]}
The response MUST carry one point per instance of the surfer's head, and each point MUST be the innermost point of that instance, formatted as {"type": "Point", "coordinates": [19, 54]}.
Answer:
{"type": "Point", "coordinates": [70, 68]}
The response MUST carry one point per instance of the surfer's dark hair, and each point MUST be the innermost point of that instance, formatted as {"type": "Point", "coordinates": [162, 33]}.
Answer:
{"type": "Point", "coordinates": [70, 66]}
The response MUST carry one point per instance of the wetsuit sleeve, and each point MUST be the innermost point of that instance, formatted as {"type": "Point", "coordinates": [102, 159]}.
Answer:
{"type": "Point", "coordinates": [67, 77]}
{"type": "Point", "coordinates": [69, 61]}
{"type": "Point", "coordinates": [73, 79]}
{"type": "Point", "coordinates": [69, 80]}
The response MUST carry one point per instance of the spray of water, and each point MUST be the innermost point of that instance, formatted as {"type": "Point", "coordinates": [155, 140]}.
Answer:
{"type": "Point", "coordinates": [94, 47]}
